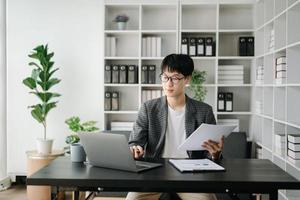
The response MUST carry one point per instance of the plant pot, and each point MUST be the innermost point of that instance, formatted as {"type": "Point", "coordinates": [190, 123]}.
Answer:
{"type": "Point", "coordinates": [121, 25]}
{"type": "Point", "coordinates": [44, 146]}
{"type": "Point", "coordinates": [77, 153]}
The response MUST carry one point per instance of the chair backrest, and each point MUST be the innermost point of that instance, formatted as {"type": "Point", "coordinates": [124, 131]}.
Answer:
{"type": "Point", "coordinates": [235, 146]}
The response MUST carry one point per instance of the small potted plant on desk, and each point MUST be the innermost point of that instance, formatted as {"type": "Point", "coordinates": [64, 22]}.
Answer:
{"type": "Point", "coordinates": [77, 151]}
{"type": "Point", "coordinates": [121, 21]}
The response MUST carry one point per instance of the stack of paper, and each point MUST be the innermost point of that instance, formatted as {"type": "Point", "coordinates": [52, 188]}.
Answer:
{"type": "Point", "coordinates": [192, 165]}
{"type": "Point", "coordinates": [294, 149]}
{"type": "Point", "coordinates": [151, 46]}
{"type": "Point", "coordinates": [231, 74]}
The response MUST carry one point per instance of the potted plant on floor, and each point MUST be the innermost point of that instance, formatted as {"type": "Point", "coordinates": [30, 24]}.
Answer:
{"type": "Point", "coordinates": [74, 124]}
{"type": "Point", "coordinates": [40, 82]}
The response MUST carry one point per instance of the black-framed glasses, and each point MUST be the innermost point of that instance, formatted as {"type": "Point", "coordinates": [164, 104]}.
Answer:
{"type": "Point", "coordinates": [164, 78]}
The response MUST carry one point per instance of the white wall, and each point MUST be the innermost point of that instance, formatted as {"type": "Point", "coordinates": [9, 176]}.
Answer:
{"type": "Point", "coordinates": [74, 31]}
{"type": "Point", "coordinates": [2, 92]}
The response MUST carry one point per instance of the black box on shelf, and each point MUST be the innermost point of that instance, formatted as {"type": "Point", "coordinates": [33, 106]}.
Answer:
{"type": "Point", "coordinates": [132, 74]}
{"type": "Point", "coordinates": [228, 101]}
{"type": "Point", "coordinates": [185, 45]}
{"type": "Point", "coordinates": [200, 46]}
{"type": "Point", "coordinates": [107, 74]}
{"type": "Point", "coordinates": [209, 49]}
{"type": "Point", "coordinates": [123, 74]}
{"type": "Point", "coordinates": [144, 75]}
{"type": "Point", "coordinates": [107, 101]}
{"type": "Point", "coordinates": [151, 74]}
{"type": "Point", "coordinates": [250, 46]}
{"type": "Point", "coordinates": [243, 46]}
{"type": "Point", "coordinates": [115, 101]}
{"type": "Point", "coordinates": [115, 74]}
{"type": "Point", "coordinates": [221, 101]}
{"type": "Point", "coordinates": [192, 47]}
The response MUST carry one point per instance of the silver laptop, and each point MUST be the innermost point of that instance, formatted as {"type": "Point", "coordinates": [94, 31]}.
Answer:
{"type": "Point", "coordinates": [111, 151]}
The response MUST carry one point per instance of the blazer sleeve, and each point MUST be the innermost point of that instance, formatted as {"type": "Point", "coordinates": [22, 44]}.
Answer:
{"type": "Point", "coordinates": [209, 119]}
{"type": "Point", "coordinates": [140, 129]}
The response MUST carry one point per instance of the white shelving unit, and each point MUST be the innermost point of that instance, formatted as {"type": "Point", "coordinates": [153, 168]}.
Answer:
{"type": "Point", "coordinates": [281, 107]}
{"type": "Point", "coordinates": [224, 20]}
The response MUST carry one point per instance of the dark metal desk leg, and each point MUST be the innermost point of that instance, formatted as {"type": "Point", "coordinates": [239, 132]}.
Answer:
{"type": "Point", "coordinates": [274, 195]}
{"type": "Point", "coordinates": [76, 195]}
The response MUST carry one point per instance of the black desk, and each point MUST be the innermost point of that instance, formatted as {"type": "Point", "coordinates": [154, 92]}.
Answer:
{"type": "Point", "coordinates": [241, 176]}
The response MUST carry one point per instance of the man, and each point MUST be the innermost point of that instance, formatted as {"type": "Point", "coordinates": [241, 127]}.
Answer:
{"type": "Point", "coordinates": [164, 123]}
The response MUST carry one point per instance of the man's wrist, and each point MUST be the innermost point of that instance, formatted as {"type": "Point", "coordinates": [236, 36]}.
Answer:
{"type": "Point", "coordinates": [216, 156]}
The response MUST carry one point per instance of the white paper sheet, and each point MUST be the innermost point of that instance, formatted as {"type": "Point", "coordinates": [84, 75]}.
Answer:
{"type": "Point", "coordinates": [203, 133]}
{"type": "Point", "coordinates": [192, 165]}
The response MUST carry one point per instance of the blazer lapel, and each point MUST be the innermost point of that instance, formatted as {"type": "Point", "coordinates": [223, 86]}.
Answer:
{"type": "Point", "coordinates": [163, 120]}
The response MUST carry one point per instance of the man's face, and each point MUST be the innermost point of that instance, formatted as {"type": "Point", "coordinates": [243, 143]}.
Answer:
{"type": "Point", "coordinates": [174, 83]}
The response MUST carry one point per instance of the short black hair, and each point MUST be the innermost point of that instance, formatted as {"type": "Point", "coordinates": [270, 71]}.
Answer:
{"type": "Point", "coordinates": [181, 63]}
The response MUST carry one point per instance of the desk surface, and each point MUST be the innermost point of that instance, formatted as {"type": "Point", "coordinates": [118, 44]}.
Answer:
{"type": "Point", "coordinates": [241, 175]}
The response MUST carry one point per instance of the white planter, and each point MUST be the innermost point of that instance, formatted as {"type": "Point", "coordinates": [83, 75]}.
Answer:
{"type": "Point", "coordinates": [121, 25]}
{"type": "Point", "coordinates": [44, 146]}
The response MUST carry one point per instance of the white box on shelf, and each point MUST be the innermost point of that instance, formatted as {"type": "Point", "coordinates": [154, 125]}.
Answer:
{"type": "Point", "coordinates": [294, 161]}
{"type": "Point", "coordinates": [113, 46]}
{"type": "Point", "coordinates": [281, 74]}
{"type": "Point", "coordinates": [149, 42]}
{"type": "Point", "coordinates": [235, 122]}
{"type": "Point", "coordinates": [144, 44]}
{"type": "Point", "coordinates": [294, 146]}
{"type": "Point", "coordinates": [231, 72]}
{"type": "Point", "coordinates": [280, 67]}
{"type": "Point", "coordinates": [293, 138]}
{"type": "Point", "coordinates": [294, 154]}
{"type": "Point", "coordinates": [279, 81]}
{"type": "Point", "coordinates": [158, 46]}
{"type": "Point", "coordinates": [153, 47]}
{"type": "Point", "coordinates": [279, 138]}
{"type": "Point", "coordinates": [281, 60]}
{"type": "Point", "coordinates": [231, 67]}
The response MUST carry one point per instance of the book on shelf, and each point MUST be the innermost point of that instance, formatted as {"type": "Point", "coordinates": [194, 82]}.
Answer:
{"type": "Point", "coordinates": [123, 74]}
{"type": "Point", "coordinates": [107, 74]}
{"type": "Point", "coordinates": [132, 74]}
{"type": "Point", "coordinates": [113, 46]}
{"type": "Point", "coordinates": [231, 74]}
{"type": "Point", "coordinates": [184, 45]}
{"type": "Point", "coordinates": [192, 47]}
{"type": "Point", "coordinates": [144, 47]}
{"type": "Point", "coordinates": [280, 67]}
{"type": "Point", "coordinates": [149, 94]}
{"type": "Point", "coordinates": [230, 67]}
{"type": "Point", "coordinates": [107, 101]}
{"type": "Point", "coordinates": [279, 138]}
{"type": "Point", "coordinates": [107, 46]}
{"type": "Point", "coordinates": [280, 74]}
{"type": "Point", "coordinates": [250, 46]}
{"type": "Point", "coordinates": [293, 138]}
{"type": "Point", "coordinates": [293, 161]}
{"type": "Point", "coordinates": [158, 46]}
{"type": "Point", "coordinates": [151, 46]}
{"type": "Point", "coordinates": [148, 46]}
{"type": "Point", "coordinates": [115, 96]}
{"type": "Point", "coordinates": [200, 46]}
{"type": "Point", "coordinates": [234, 122]}
{"type": "Point", "coordinates": [115, 74]}
{"type": "Point", "coordinates": [294, 154]}
{"type": "Point", "coordinates": [294, 146]}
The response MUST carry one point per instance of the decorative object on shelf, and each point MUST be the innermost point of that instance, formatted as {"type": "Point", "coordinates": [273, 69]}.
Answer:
{"type": "Point", "coordinates": [74, 124]}
{"type": "Point", "coordinates": [196, 85]}
{"type": "Point", "coordinates": [40, 82]}
{"type": "Point", "coordinates": [121, 21]}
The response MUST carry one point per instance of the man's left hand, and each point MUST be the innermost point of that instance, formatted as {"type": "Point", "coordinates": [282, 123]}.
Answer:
{"type": "Point", "coordinates": [214, 148]}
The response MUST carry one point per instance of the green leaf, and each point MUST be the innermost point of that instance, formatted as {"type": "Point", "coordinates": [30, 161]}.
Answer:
{"type": "Point", "coordinates": [50, 73]}
{"type": "Point", "coordinates": [71, 139]}
{"type": "Point", "coordinates": [30, 82]}
{"type": "Point", "coordinates": [37, 114]}
{"type": "Point", "coordinates": [45, 96]}
{"type": "Point", "coordinates": [49, 106]}
{"type": "Point", "coordinates": [51, 83]}
{"type": "Point", "coordinates": [35, 73]}
{"type": "Point", "coordinates": [34, 64]}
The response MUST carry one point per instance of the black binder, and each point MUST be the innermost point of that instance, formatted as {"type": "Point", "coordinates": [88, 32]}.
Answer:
{"type": "Point", "coordinates": [115, 101]}
{"type": "Point", "coordinates": [228, 101]}
{"type": "Point", "coordinates": [123, 74]}
{"type": "Point", "coordinates": [132, 74]}
{"type": "Point", "coordinates": [144, 75]}
{"type": "Point", "coordinates": [107, 101]}
{"type": "Point", "coordinates": [221, 101]}
{"type": "Point", "coordinates": [107, 74]}
{"type": "Point", "coordinates": [250, 46]}
{"type": "Point", "coordinates": [192, 47]}
{"type": "Point", "coordinates": [200, 46]}
{"type": "Point", "coordinates": [115, 74]}
{"type": "Point", "coordinates": [185, 45]}
{"type": "Point", "coordinates": [151, 74]}
{"type": "Point", "coordinates": [209, 46]}
{"type": "Point", "coordinates": [243, 46]}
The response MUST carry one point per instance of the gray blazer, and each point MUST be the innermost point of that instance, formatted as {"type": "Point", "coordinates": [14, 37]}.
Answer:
{"type": "Point", "coordinates": [151, 125]}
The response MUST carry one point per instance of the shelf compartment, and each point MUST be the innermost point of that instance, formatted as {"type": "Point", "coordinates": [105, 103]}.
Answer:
{"type": "Point", "coordinates": [123, 41]}
{"type": "Point", "coordinates": [280, 31]}
{"type": "Point", "coordinates": [228, 16]}
{"type": "Point", "coordinates": [159, 17]}
{"type": "Point", "coordinates": [204, 13]}
{"type": "Point", "coordinates": [229, 43]}
{"type": "Point", "coordinates": [269, 69]}
{"type": "Point", "coordinates": [280, 129]}
{"type": "Point", "coordinates": [294, 24]}
{"type": "Point", "coordinates": [256, 127]}
{"type": "Point", "coordinates": [268, 32]}
{"type": "Point", "coordinates": [126, 102]}
{"type": "Point", "coordinates": [293, 69]}
{"type": "Point", "coordinates": [269, 10]}
{"type": "Point", "coordinates": [241, 97]}
{"type": "Point", "coordinates": [259, 42]}
{"type": "Point", "coordinates": [248, 65]}
{"type": "Point", "coordinates": [291, 2]}
{"type": "Point", "coordinates": [267, 133]}
{"type": "Point", "coordinates": [111, 117]}
{"type": "Point", "coordinates": [280, 103]}
{"type": "Point", "coordinates": [168, 42]}
{"type": "Point", "coordinates": [132, 11]}
{"type": "Point", "coordinates": [280, 6]}
{"type": "Point", "coordinates": [243, 121]}
{"type": "Point", "coordinates": [157, 64]}
{"type": "Point", "coordinates": [268, 101]}
{"type": "Point", "coordinates": [293, 105]}
{"type": "Point", "coordinates": [259, 7]}
{"type": "Point", "coordinates": [209, 67]}
{"type": "Point", "coordinates": [209, 97]}
{"type": "Point", "coordinates": [257, 104]}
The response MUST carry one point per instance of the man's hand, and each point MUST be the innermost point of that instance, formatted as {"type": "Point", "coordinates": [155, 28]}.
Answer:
{"type": "Point", "coordinates": [214, 148]}
{"type": "Point", "coordinates": [137, 151]}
